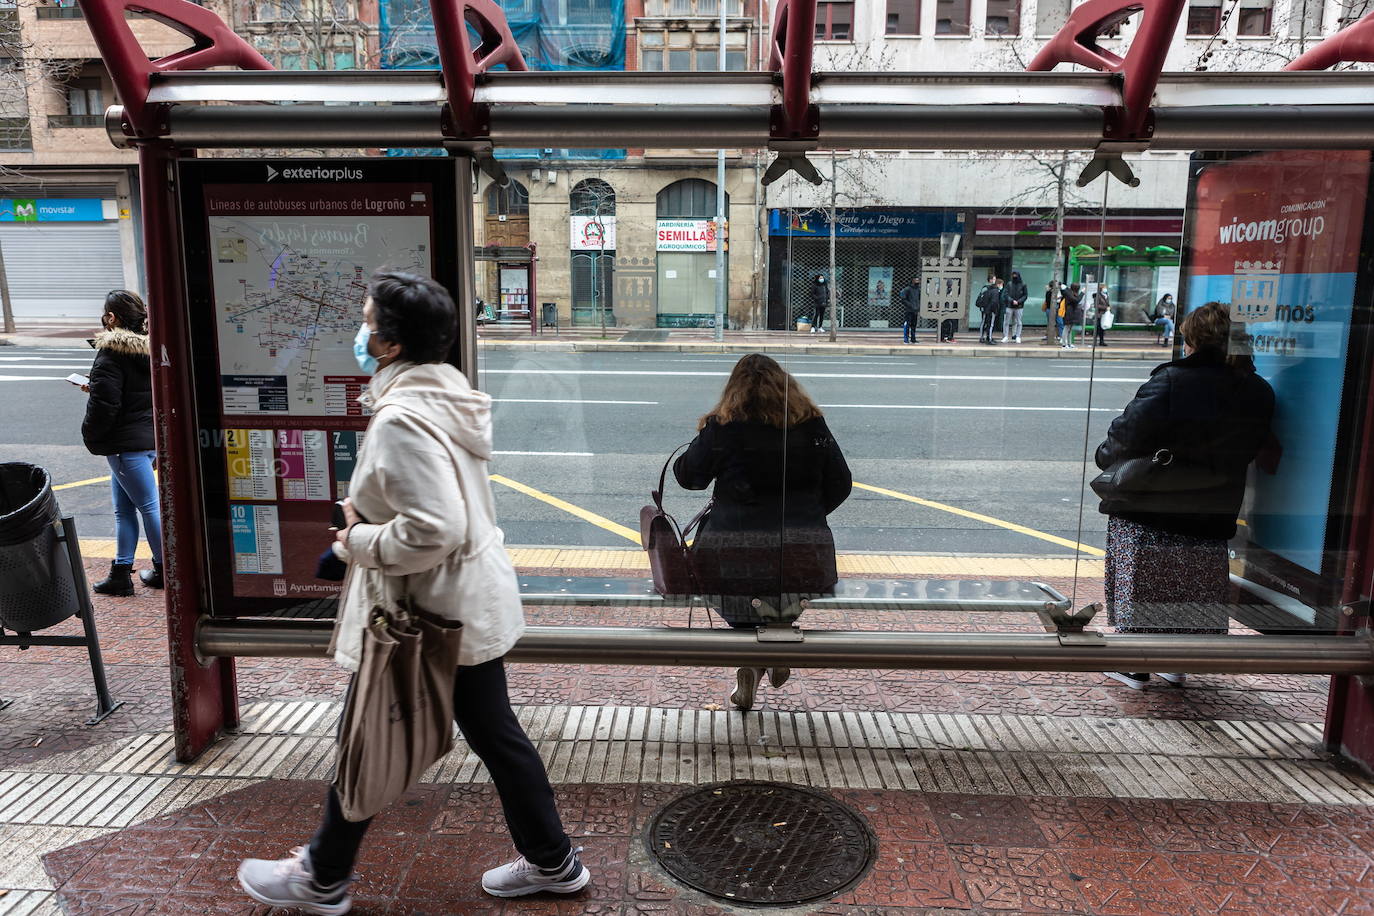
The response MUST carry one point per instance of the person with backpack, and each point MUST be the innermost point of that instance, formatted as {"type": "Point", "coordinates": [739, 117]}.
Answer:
{"type": "Point", "coordinates": [910, 295]}
{"type": "Point", "coordinates": [989, 305]}
{"type": "Point", "coordinates": [1015, 294]}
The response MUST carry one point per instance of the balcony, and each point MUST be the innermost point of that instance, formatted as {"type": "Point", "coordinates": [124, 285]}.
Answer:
{"type": "Point", "coordinates": [679, 9]}
{"type": "Point", "coordinates": [58, 12]}
{"type": "Point", "coordinates": [76, 120]}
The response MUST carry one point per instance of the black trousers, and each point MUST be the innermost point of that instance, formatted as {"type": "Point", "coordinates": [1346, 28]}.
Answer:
{"type": "Point", "coordinates": [481, 707]}
{"type": "Point", "coordinates": [947, 328]}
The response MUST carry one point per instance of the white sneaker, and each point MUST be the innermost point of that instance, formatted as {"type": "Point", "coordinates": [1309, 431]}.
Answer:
{"type": "Point", "coordinates": [291, 883]}
{"type": "Point", "coordinates": [1016, 340]}
{"type": "Point", "coordinates": [1176, 679]}
{"type": "Point", "coordinates": [521, 877]}
{"type": "Point", "coordinates": [1006, 340]}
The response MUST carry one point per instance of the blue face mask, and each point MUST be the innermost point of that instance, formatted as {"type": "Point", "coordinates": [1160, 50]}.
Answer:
{"type": "Point", "coordinates": [366, 361]}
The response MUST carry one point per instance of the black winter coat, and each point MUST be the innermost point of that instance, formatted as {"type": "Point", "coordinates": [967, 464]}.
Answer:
{"type": "Point", "coordinates": [911, 298]}
{"type": "Point", "coordinates": [119, 414]}
{"type": "Point", "coordinates": [1073, 307]}
{"type": "Point", "coordinates": [1209, 415]}
{"type": "Point", "coordinates": [1016, 294]}
{"type": "Point", "coordinates": [767, 529]}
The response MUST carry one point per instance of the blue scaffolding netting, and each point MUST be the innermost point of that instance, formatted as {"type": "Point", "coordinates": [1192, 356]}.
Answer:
{"type": "Point", "coordinates": [552, 35]}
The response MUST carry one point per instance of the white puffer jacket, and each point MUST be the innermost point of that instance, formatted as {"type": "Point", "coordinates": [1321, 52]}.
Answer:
{"type": "Point", "coordinates": [421, 483]}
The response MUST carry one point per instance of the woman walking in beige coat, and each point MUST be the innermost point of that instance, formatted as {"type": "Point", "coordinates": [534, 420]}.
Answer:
{"type": "Point", "coordinates": [421, 517]}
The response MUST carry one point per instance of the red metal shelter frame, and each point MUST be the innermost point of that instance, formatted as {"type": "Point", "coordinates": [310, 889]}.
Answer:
{"type": "Point", "coordinates": [793, 112]}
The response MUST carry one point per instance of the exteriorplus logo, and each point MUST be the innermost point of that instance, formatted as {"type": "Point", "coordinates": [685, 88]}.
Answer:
{"type": "Point", "coordinates": [1278, 230]}
{"type": "Point", "coordinates": [317, 173]}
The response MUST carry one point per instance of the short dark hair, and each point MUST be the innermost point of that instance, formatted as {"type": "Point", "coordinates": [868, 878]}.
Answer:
{"type": "Point", "coordinates": [416, 313]}
{"type": "Point", "coordinates": [128, 308]}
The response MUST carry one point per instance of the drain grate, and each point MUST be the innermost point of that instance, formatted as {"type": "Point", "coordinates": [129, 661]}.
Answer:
{"type": "Point", "coordinates": [762, 843]}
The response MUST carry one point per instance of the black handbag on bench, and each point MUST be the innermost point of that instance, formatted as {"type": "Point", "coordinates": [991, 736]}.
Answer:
{"type": "Point", "coordinates": [670, 558]}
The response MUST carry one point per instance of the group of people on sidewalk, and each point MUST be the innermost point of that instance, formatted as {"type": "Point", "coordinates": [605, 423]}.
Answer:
{"type": "Point", "coordinates": [420, 522]}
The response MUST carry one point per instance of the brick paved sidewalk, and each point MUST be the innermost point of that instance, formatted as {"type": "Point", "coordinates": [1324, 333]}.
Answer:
{"type": "Point", "coordinates": [989, 792]}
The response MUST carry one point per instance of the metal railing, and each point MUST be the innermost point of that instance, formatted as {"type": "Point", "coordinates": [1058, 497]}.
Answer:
{"type": "Point", "coordinates": [59, 12]}
{"type": "Point", "coordinates": [673, 9]}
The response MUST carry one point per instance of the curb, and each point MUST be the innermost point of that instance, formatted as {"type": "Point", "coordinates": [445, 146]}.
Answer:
{"type": "Point", "coordinates": [1155, 354]}
{"type": "Point", "coordinates": [15, 340]}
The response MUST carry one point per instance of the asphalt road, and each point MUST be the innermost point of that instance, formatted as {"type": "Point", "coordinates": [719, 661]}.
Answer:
{"type": "Point", "coordinates": [1001, 437]}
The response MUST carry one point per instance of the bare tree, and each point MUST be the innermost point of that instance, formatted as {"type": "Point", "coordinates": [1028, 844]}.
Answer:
{"type": "Point", "coordinates": [854, 178]}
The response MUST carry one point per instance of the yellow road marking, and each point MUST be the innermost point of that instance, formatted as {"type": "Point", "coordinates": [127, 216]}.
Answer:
{"type": "Point", "coordinates": [586, 515]}
{"type": "Point", "coordinates": [82, 483]}
{"type": "Point", "coordinates": [986, 519]}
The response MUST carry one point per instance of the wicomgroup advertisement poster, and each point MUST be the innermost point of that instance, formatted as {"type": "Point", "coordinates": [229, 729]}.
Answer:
{"type": "Point", "coordinates": [1277, 237]}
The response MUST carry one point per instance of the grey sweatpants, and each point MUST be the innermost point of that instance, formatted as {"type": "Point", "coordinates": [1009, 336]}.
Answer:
{"type": "Point", "coordinates": [1013, 325]}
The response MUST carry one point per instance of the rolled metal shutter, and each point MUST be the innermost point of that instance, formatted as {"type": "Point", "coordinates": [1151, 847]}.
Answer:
{"type": "Point", "coordinates": [61, 270]}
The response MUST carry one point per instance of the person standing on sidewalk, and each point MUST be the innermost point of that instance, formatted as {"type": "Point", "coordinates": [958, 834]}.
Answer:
{"type": "Point", "coordinates": [1015, 294]}
{"type": "Point", "coordinates": [1074, 314]}
{"type": "Point", "coordinates": [119, 427]}
{"type": "Point", "coordinates": [820, 300]}
{"type": "Point", "coordinates": [989, 304]}
{"type": "Point", "coordinates": [1102, 307]}
{"type": "Point", "coordinates": [911, 307]}
{"type": "Point", "coordinates": [421, 518]}
{"type": "Point", "coordinates": [1053, 320]}
{"type": "Point", "coordinates": [1167, 565]}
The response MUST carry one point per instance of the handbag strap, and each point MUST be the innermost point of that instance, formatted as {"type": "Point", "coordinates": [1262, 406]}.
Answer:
{"type": "Point", "coordinates": [657, 495]}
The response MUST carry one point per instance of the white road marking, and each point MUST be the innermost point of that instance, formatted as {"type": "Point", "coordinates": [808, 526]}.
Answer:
{"type": "Point", "coordinates": [33, 378]}
{"type": "Point", "coordinates": [682, 373]}
{"type": "Point", "coordinates": [566, 401]}
{"type": "Point", "coordinates": [965, 407]}
{"type": "Point", "coordinates": [553, 454]}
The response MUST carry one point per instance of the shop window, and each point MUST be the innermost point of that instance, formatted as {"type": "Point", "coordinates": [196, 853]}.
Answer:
{"type": "Point", "coordinates": [1204, 18]}
{"type": "Point", "coordinates": [903, 17]}
{"type": "Point", "coordinates": [690, 198]}
{"type": "Point", "coordinates": [1003, 17]}
{"type": "Point", "coordinates": [512, 200]}
{"type": "Point", "coordinates": [1050, 16]}
{"type": "Point", "coordinates": [835, 20]}
{"type": "Point", "coordinates": [1255, 17]}
{"type": "Point", "coordinates": [592, 197]}
{"type": "Point", "coordinates": [951, 17]}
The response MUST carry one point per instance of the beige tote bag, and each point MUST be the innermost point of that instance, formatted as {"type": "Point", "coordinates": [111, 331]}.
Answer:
{"type": "Point", "coordinates": [398, 716]}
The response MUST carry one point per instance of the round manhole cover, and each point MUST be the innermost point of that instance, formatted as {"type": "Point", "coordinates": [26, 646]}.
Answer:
{"type": "Point", "coordinates": [762, 843]}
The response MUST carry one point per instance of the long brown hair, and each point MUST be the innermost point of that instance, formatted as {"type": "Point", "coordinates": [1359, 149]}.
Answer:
{"type": "Point", "coordinates": [761, 391]}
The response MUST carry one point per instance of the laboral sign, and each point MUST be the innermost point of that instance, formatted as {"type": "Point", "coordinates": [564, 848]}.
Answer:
{"type": "Point", "coordinates": [687, 234]}
{"type": "Point", "coordinates": [593, 233]}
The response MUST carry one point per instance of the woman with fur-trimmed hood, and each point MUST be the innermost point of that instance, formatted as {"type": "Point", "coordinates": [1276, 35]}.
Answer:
{"type": "Point", "coordinates": [119, 427]}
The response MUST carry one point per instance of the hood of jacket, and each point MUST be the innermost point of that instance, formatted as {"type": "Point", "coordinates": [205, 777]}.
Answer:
{"type": "Point", "coordinates": [122, 340]}
{"type": "Point", "coordinates": [439, 394]}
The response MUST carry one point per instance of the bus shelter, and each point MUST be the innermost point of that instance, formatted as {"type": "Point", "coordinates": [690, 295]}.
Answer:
{"type": "Point", "coordinates": [258, 427]}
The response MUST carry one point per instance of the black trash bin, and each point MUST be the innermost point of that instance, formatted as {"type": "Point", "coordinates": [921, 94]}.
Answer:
{"type": "Point", "coordinates": [549, 315]}
{"type": "Point", "coordinates": [37, 587]}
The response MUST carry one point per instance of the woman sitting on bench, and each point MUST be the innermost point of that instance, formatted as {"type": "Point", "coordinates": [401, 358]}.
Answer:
{"type": "Point", "coordinates": [778, 473]}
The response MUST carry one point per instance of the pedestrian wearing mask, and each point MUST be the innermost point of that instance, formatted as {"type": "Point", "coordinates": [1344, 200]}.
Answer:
{"type": "Point", "coordinates": [911, 307]}
{"type": "Point", "coordinates": [1102, 308]}
{"type": "Point", "coordinates": [1073, 314]}
{"type": "Point", "coordinates": [820, 301]}
{"type": "Point", "coordinates": [1163, 318]}
{"type": "Point", "coordinates": [989, 304]}
{"type": "Point", "coordinates": [1015, 294]}
{"type": "Point", "coordinates": [1200, 420]}
{"type": "Point", "coordinates": [119, 426]}
{"type": "Point", "coordinates": [421, 522]}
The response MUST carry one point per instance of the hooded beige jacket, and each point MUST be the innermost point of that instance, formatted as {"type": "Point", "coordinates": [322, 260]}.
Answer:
{"type": "Point", "coordinates": [421, 483]}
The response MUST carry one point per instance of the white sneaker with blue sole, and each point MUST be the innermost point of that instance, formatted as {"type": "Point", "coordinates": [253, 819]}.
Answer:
{"type": "Point", "coordinates": [521, 877]}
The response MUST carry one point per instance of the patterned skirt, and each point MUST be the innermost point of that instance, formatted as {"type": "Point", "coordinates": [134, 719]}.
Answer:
{"type": "Point", "coordinates": [1160, 582]}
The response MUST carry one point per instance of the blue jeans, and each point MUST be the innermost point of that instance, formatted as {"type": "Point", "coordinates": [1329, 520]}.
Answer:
{"type": "Point", "coordinates": [1168, 324]}
{"type": "Point", "coordinates": [135, 495]}
{"type": "Point", "coordinates": [1059, 324]}
{"type": "Point", "coordinates": [909, 327]}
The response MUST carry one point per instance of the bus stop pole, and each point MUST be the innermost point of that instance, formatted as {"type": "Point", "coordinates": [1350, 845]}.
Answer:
{"type": "Point", "coordinates": [466, 293]}
{"type": "Point", "coordinates": [204, 693]}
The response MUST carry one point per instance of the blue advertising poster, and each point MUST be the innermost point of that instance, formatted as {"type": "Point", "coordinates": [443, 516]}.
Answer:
{"type": "Point", "coordinates": [1276, 236]}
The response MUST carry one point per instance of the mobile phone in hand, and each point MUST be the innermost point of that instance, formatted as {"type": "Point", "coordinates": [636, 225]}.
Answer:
{"type": "Point", "coordinates": [340, 521]}
{"type": "Point", "coordinates": [78, 379]}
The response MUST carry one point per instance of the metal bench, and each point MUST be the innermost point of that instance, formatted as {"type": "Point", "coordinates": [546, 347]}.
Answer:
{"type": "Point", "coordinates": [1064, 646]}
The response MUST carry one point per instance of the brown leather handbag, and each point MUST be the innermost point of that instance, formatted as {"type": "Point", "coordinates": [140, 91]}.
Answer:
{"type": "Point", "coordinates": [670, 557]}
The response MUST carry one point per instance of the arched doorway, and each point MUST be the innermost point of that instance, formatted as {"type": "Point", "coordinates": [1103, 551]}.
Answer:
{"type": "Point", "coordinates": [591, 204]}
{"type": "Point", "coordinates": [686, 253]}
{"type": "Point", "coordinates": [507, 223]}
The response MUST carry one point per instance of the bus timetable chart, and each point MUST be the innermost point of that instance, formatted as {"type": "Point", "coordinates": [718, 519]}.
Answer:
{"type": "Point", "coordinates": [289, 286]}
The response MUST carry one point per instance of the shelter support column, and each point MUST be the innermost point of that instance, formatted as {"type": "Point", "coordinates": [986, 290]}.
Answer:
{"type": "Point", "coordinates": [465, 292]}
{"type": "Point", "coordinates": [204, 694]}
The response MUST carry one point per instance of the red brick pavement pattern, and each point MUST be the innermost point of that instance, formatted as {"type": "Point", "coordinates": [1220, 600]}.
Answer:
{"type": "Point", "coordinates": [937, 853]}
{"type": "Point", "coordinates": [53, 695]}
